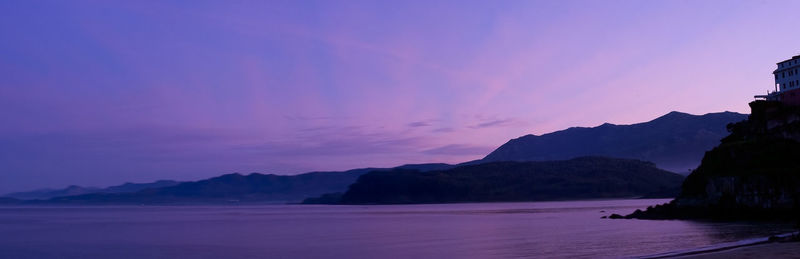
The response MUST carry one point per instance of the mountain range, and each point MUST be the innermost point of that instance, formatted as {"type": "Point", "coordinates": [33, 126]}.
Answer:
{"type": "Point", "coordinates": [675, 142]}
{"type": "Point", "coordinates": [73, 190]}
{"type": "Point", "coordinates": [255, 187]}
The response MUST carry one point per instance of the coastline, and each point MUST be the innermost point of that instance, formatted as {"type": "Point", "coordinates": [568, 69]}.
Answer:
{"type": "Point", "coordinates": [768, 250]}
{"type": "Point", "coordinates": [762, 247]}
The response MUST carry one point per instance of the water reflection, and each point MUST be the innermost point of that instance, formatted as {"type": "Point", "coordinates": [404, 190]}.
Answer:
{"type": "Point", "coordinates": [487, 230]}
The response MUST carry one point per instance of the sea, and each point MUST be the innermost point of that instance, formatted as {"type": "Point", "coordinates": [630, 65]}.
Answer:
{"type": "Point", "coordinates": [562, 229]}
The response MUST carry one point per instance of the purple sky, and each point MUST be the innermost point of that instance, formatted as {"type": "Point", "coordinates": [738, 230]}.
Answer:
{"type": "Point", "coordinates": [103, 92]}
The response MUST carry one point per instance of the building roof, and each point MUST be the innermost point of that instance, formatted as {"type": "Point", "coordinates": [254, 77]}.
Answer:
{"type": "Point", "coordinates": [793, 58]}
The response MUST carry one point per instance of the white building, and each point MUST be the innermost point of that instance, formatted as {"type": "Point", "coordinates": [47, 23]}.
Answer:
{"type": "Point", "coordinates": [787, 76]}
{"type": "Point", "coordinates": [787, 80]}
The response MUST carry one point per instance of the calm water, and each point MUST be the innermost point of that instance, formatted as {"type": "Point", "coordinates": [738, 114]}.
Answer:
{"type": "Point", "coordinates": [484, 230]}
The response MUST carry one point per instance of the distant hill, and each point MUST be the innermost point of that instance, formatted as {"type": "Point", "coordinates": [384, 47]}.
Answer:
{"type": "Point", "coordinates": [675, 141]}
{"type": "Point", "coordinates": [579, 178]}
{"type": "Point", "coordinates": [74, 190]}
{"type": "Point", "coordinates": [232, 188]}
{"type": "Point", "coordinates": [8, 201]}
{"type": "Point", "coordinates": [135, 187]}
{"type": "Point", "coordinates": [228, 188]}
{"type": "Point", "coordinates": [50, 193]}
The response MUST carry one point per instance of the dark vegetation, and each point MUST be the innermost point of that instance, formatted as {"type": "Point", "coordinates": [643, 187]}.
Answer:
{"type": "Point", "coordinates": [753, 174]}
{"type": "Point", "coordinates": [580, 178]}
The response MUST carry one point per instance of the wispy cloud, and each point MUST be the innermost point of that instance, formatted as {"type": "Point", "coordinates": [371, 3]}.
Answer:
{"type": "Point", "coordinates": [417, 124]}
{"type": "Point", "coordinates": [444, 130]}
{"type": "Point", "coordinates": [338, 142]}
{"type": "Point", "coordinates": [494, 123]}
{"type": "Point", "coordinates": [459, 150]}
{"type": "Point", "coordinates": [308, 118]}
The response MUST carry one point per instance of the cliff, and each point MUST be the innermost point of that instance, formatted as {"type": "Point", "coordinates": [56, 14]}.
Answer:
{"type": "Point", "coordinates": [754, 173]}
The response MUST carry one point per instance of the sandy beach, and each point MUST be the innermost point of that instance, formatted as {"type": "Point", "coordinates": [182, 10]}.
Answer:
{"type": "Point", "coordinates": [769, 250]}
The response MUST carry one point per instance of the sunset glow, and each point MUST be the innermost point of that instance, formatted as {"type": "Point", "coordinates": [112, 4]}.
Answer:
{"type": "Point", "coordinates": [103, 92]}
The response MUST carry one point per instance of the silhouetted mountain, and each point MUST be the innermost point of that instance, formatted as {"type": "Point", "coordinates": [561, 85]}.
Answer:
{"type": "Point", "coordinates": [74, 190]}
{"type": "Point", "coordinates": [675, 141]}
{"type": "Point", "coordinates": [8, 201]}
{"type": "Point", "coordinates": [50, 193]}
{"type": "Point", "coordinates": [227, 188]}
{"type": "Point", "coordinates": [233, 188]}
{"type": "Point", "coordinates": [135, 187]}
{"type": "Point", "coordinates": [579, 178]}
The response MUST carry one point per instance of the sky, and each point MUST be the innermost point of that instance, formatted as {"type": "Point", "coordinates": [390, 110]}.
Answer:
{"type": "Point", "coordinates": [97, 93]}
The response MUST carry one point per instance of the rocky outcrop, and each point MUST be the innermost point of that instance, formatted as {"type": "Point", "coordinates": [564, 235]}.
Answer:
{"type": "Point", "coordinates": [754, 173]}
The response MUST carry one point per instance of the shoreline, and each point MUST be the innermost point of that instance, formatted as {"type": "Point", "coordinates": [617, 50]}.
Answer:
{"type": "Point", "coordinates": [38, 203]}
{"type": "Point", "coordinates": [726, 247]}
